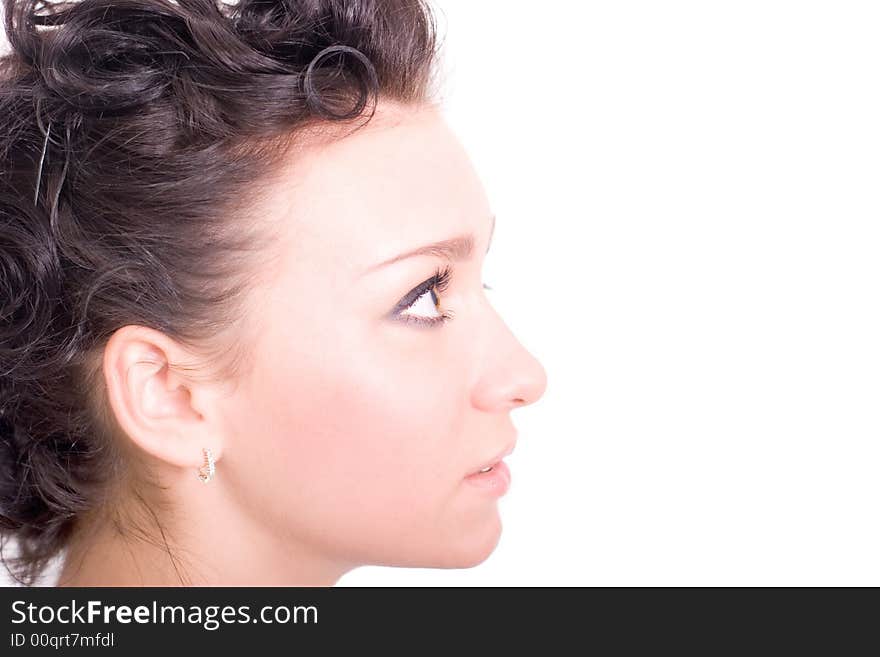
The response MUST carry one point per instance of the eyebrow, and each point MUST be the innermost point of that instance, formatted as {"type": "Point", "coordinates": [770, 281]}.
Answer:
{"type": "Point", "coordinates": [456, 248]}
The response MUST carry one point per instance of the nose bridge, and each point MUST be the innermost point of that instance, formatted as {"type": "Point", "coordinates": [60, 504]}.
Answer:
{"type": "Point", "coordinates": [511, 375]}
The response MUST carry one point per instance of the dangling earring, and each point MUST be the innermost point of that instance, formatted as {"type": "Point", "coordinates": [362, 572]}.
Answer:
{"type": "Point", "coordinates": [206, 472]}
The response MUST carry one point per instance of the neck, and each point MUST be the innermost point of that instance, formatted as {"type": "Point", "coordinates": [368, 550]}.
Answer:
{"type": "Point", "coordinates": [214, 550]}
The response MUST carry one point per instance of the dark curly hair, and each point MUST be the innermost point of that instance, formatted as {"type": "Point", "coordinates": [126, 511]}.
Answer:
{"type": "Point", "coordinates": [134, 134]}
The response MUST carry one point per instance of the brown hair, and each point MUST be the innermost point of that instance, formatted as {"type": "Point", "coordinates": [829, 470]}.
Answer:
{"type": "Point", "coordinates": [133, 135]}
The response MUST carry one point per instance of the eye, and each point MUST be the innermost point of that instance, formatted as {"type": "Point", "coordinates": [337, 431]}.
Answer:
{"type": "Point", "coordinates": [422, 304]}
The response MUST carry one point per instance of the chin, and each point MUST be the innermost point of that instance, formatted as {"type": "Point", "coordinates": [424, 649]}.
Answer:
{"type": "Point", "coordinates": [465, 547]}
{"type": "Point", "coordinates": [472, 549]}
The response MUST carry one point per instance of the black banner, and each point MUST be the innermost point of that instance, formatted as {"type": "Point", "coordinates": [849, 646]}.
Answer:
{"type": "Point", "coordinates": [563, 621]}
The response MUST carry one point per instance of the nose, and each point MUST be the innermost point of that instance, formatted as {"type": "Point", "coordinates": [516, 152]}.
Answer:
{"type": "Point", "coordinates": [512, 376]}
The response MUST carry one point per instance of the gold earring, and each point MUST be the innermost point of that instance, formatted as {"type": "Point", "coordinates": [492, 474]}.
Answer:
{"type": "Point", "coordinates": [206, 472]}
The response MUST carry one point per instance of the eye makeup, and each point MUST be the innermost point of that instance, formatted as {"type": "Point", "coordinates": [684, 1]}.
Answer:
{"type": "Point", "coordinates": [436, 285]}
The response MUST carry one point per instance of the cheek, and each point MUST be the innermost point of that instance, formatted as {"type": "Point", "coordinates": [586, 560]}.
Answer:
{"type": "Point", "coordinates": [356, 451]}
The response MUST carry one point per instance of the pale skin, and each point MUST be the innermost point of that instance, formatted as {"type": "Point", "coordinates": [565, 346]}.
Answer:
{"type": "Point", "coordinates": [348, 442]}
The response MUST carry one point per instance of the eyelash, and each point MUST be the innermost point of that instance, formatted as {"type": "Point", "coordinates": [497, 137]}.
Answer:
{"type": "Point", "coordinates": [438, 283]}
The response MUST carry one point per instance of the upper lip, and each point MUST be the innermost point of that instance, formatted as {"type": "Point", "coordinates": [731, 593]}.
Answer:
{"type": "Point", "coordinates": [493, 460]}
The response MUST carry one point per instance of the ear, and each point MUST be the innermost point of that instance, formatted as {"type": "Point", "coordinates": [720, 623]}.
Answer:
{"type": "Point", "coordinates": [166, 414]}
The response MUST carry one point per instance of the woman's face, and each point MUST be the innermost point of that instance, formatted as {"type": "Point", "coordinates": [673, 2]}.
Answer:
{"type": "Point", "coordinates": [353, 433]}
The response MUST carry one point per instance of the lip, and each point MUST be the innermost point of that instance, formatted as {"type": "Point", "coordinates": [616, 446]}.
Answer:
{"type": "Point", "coordinates": [493, 461]}
{"type": "Point", "coordinates": [494, 483]}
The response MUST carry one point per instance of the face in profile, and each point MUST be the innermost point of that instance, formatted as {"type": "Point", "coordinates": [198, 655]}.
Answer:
{"type": "Point", "coordinates": [382, 377]}
{"type": "Point", "coordinates": [379, 379]}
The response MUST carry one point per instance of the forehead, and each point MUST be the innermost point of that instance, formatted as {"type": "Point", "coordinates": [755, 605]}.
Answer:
{"type": "Point", "coordinates": [402, 180]}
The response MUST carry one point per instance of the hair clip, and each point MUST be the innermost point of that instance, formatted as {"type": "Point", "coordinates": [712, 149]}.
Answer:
{"type": "Point", "coordinates": [42, 159]}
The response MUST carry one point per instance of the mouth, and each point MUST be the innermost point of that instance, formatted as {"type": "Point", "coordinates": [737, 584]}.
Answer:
{"type": "Point", "coordinates": [492, 480]}
{"type": "Point", "coordinates": [494, 462]}
{"type": "Point", "coordinates": [485, 469]}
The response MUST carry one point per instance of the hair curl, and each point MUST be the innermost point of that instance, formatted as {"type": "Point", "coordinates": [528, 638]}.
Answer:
{"type": "Point", "coordinates": [133, 135]}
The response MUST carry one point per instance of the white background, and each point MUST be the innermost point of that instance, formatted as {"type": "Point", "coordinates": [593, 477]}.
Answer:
{"type": "Point", "coordinates": [688, 196]}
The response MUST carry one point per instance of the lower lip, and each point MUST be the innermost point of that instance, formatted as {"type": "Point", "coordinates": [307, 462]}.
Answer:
{"type": "Point", "coordinates": [495, 482]}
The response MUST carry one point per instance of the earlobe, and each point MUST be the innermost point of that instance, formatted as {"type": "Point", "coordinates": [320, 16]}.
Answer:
{"type": "Point", "coordinates": [152, 402]}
